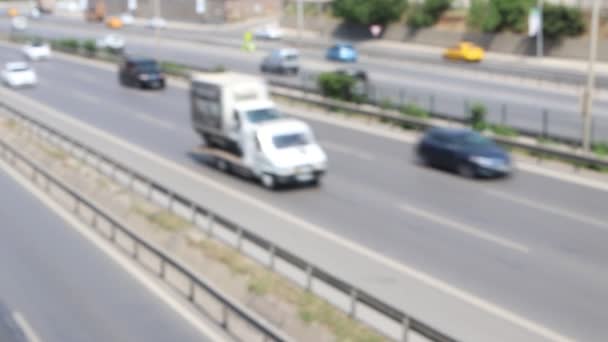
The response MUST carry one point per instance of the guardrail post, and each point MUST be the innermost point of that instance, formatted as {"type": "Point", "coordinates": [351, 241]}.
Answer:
{"type": "Point", "coordinates": [76, 208]}
{"type": "Point", "coordinates": [193, 213]}
{"type": "Point", "coordinates": [130, 179]}
{"type": "Point", "coordinates": [135, 249]}
{"type": "Point", "coordinates": [149, 191]}
{"type": "Point", "coordinates": [170, 204]}
{"type": "Point", "coordinates": [406, 329]}
{"type": "Point", "coordinates": [239, 239]}
{"type": "Point", "coordinates": [503, 114]}
{"type": "Point", "coordinates": [191, 291]}
{"type": "Point", "coordinates": [112, 233]}
{"type": "Point", "coordinates": [353, 303]}
{"type": "Point", "coordinates": [432, 103]}
{"type": "Point", "coordinates": [225, 317]}
{"type": "Point", "coordinates": [161, 271]}
{"type": "Point", "coordinates": [545, 123]}
{"type": "Point", "coordinates": [47, 184]}
{"type": "Point", "coordinates": [210, 222]}
{"type": "Point", "coordinates": [308, 277]}
{"type": "Point", "coordinates": [272, 253]}
{"type": "Point", "coordinates": [94, 220]}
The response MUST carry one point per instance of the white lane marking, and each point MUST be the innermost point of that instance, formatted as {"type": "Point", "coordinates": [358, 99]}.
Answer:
{"type": "Point", "coordinates": [346, 150]}
{"type": "Point", "coordinates": [564, 177]}
{"type": "Point", "coordinates": [120, 259]}
{"type": "Point", "coordinates": [603, 224]}
{"type": "Point", "coordinates": [467, 229]}
{"type": "Point", "coordinates": [305, 225]}
{"type": "Point", "coordinates": [27, 329]}
{"type": "Point", "coordinates": [84, 96]}
{"type": "Point", "coordinates": [157, 122]}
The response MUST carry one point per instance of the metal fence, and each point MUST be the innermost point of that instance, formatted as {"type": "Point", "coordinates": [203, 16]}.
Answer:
{"type": "Point", "coordinates": [357, 303]}
{"type": "Point", "coordinates": [116, 232]}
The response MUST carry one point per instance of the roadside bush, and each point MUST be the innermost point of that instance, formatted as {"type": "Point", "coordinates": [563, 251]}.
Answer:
{"type": "Point", "coordinates": [367, 12]}
{"type": "Point", "coordinates": [427, 13]}
{"type": "Point", "coordinates": [415, 110]}
{"type": "Point", "coordinates": [336, 85]}
{"type": "Point", "coordinates": [477, 116]}
{"type": "Point", "coordinates": [560, 21]}
{"type": "Point", "coordinates": [600, 148]}
{"type": "Point", "coordinates": [89, 46]}
{"type": "Point", "coordinates": [478, 10]}
{"type": "Point", "coordinates": [67, 44]}
{"type": "Point", "coordinates": [499, 15]}
{"type": "Point", "coordinates": [504, 130]}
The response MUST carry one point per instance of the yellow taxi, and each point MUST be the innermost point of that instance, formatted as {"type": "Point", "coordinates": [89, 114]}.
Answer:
{"type": "Point", "coordinates": [114, 22]}
{"type": "Point", "coordinates": [465, 51]}
{"type": "Point", "coordinates": [12, 12]}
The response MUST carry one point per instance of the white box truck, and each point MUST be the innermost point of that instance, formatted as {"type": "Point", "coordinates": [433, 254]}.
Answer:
{"type": "Point", "coordinates": [242, 130]}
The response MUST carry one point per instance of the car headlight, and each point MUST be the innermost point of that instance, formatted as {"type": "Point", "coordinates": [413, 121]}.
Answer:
{"type": "Point", "coordinates": [482, 161]}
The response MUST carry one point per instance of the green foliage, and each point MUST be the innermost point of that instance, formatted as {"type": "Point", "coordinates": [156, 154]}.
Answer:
{"type": "Point", "coordinates": [504, 130]}
{"type": "Point", "coordinates": [560, 21]}
{"type": "Point", "coordinates": [427, 13]}
{"type": "Point", "coordinates": [89, 46]}
{"type": "Point", "coordinates": [600, 148]}
{"type": "Point", "coordinates": [336, 85]}
{"type": "Point", "coordinates": [67, 44]}
{"type": "Point", "coordinates": [415, 110]}
{"type": "Point", "coordinates": [386, 104]}
{"type": "Point", "coordinates": [477, 116]}
{"type": "Point", "coordinates": [367, 12]}
{"type": "Point", "coordinates": [499, 15]}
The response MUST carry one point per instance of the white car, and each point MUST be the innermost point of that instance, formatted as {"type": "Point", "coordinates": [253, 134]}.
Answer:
{"type": "Point", "coordinates": [35, 13]}
{"type": "Point", "coordinates": [19, 74]}
{"type": "Point", "coordinates": [270, 32]}
{"type": "Point", "coordinates": [127, 19]}
{"type": "Point", "coordinates": [156, 23]}
{"type": "Point", "coordinates": [37, 51]}
{"type": "Point", "coordinates": [19, 23]}
{"type": "Point", "coordinates": [111, 41]}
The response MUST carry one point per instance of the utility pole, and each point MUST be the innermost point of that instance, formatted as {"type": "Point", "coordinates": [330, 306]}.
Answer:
{"type": "Point", "coordinates": [587, 100]}
{"type": "Point", "coordinates": [157, 16]}
{"type": "Point", "coordinates": [539, 34]}
{"type": "Point", "coordinates": [300, 10]}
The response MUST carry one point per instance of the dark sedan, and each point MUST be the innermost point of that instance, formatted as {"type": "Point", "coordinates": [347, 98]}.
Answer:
{"type": "Point", "coordinates": [464, 151]}
{"type": "Point", "coordinates": [141, 72]}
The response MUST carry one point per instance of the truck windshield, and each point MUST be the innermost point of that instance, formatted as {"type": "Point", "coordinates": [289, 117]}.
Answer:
{"type": "Point", "coordinates": [261, 115]}
{"type": "Point", "coordinates": [290, 140]}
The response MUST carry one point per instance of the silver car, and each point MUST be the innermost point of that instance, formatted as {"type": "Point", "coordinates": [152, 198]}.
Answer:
{"type": "Point", "coordinates": [284, 61]}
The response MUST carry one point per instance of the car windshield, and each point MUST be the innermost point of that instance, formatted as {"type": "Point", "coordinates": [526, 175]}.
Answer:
{"type": "Point", "coordinates": [261, 115]}
{"type": "Point", "coordinates": [290, 140]}
{"type": "Point", "coordinates": [148, 67]}
{"type": "Point", "coordinates": [475, 139]}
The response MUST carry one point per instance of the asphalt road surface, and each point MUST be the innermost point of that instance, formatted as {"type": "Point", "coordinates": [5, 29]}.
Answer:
{"type": "Point", "coordinates": [65, 288]}
{"type": "Point", "coordinates": [523, 104]}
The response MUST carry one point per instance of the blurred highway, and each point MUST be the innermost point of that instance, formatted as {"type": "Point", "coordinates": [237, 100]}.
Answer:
{"type": "Point", "coordinates": [68, 290]}
{"type": "Point", "coordinates": [442, 88]}
{"type": "Point", "coordinates": [532, 244]}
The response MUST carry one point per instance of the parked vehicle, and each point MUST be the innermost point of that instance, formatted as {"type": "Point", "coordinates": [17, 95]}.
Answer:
{"type": "Point", "coordinates": [342, 52]}
{"type": "Point", "coordinates": [464, 151]}
{"type": "Point", "coordinates": [114, 22]}
{"type": "Point", "coordinates": [244, 132]}
{"type": "Point", "coordinates": [465, 51]}
{"type": "Point", "coordinates": [268, 32]}
{"type": "Point", "coordinates": [282, 61]}
{"type": "Point", "coordinates": [141, 72]}
{"type": "Point", "coordinates": [127, 19]}
{"type": "Point", "coordinates": [19, 74]}
{"type": "Point", "coordinates": [37, 50]}
{"type": "Point", "coordinates": [113, 42]}
{"type": "Point", "coordinates": [156, 23]}
{"type": "Point", "coordinates": [95, 10]}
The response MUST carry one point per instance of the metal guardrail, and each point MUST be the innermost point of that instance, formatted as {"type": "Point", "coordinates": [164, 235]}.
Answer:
{"type": "Point", "coordinates": [229, 307]}
{"type": "Point", "coordinates": [313, 273]}
{"type": "Point", "coordinates": [400, 119]}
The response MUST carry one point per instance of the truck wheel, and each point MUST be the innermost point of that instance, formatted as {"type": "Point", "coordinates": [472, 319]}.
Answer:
{"type": "Point", "coordinates": [269, 181]}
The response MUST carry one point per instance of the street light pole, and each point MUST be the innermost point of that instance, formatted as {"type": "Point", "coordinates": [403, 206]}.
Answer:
{"type": "Point", "coordinates": [157, 15]}
{"type": "Point", "coordinates": [539, 34]}
{"type": "Point", "coordinates": [587, 100]}
{"type": "Point", "coordinates": [300, 10]}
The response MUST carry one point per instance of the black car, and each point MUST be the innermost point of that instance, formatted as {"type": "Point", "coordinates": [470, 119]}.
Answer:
{"type": "Point", "coordinates": [464, 151]}
{"type": "Point", "coordinates": [141, 72]}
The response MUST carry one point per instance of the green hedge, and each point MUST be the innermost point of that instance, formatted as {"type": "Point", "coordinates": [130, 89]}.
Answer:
{"type": "Point", "coordinates": [562, 21]}
{"type": "Point", "coordinates": [336, 85]}
{"type": "Point", "coordinates": [367, 12]}
{"type": "Point", "coordinates": [427, 13]}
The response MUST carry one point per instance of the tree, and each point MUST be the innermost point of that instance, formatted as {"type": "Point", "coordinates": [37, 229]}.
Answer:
{"type": "Point", "coordinates": [368, 12]}
{"type": "Point", "coordinates": [560, 21]}
{"type": "Point", "coordinates": [427, 13]}
{"type": "Point", "coordinates": [499, 15]}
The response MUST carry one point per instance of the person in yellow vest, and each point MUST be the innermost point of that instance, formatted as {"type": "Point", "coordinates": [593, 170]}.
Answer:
{"type": "Point", "coordinates": [248, 43]}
